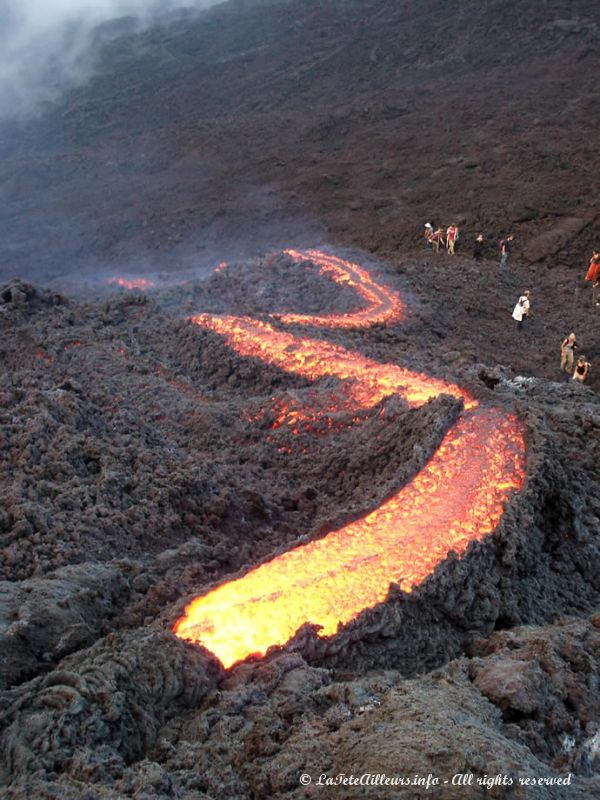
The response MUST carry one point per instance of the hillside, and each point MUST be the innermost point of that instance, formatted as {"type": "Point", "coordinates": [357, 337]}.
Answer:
{"type": "Point", "coordinates": [187, 408]}
{"type": "Point", "coordinates": [258, 125]}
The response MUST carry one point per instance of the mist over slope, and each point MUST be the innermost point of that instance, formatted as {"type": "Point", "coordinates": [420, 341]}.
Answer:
{"type": "Point", "coordinates": [48, 47]}
{"type": "Point", "coordinates": [255, 123]}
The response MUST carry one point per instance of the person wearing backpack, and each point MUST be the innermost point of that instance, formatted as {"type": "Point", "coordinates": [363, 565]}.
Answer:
{"type": "Point", "coordinates": [521, 310]}
{"type": "Point", "coordinates": [567, 353]}
{"type": "Point", "coordinates": [428, 234]}
{"type": "Point", "coordinates": [437, 239]}
{"type": "Point", "coordinates": [505, 248]}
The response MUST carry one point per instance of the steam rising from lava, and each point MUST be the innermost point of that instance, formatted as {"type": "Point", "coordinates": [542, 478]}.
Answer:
{"type": "Point", "coordinates": [457, 498]}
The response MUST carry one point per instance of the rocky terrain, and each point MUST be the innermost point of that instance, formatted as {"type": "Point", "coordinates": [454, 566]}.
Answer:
{"type": "Point", "coordinates": [141, 459]}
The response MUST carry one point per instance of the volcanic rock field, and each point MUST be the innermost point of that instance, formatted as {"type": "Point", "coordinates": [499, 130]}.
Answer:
{"type": "Point", "coordinates": [147, 461]}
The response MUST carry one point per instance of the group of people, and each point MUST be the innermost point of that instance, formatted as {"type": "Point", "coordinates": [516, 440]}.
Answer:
{"type": "Point", "coordinates": [505, 246]}
{"type": "Point", "coordinates": [567, 358]}
{"type": "Point", "coordinates": [435, 238]}
{"type": "Point", "coordinates": [568, 346]}
{"type": "Point", "coordinates": [579, 370]}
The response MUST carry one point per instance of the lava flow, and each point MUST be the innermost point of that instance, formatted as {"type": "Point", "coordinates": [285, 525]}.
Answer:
{"type": "Point", "coordinates": [457, 498]}
{"type": "Point", "coordinates": [384, 304]}
{"type": "Point", "coordinates": [133, 283]}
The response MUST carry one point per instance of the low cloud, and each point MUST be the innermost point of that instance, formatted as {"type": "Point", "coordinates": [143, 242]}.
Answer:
{"type": "Point", "coordinates": [44, 44]}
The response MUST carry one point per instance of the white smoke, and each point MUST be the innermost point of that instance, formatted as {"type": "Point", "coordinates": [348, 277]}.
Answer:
{"type": "Point", "coordinates": [44, 44]}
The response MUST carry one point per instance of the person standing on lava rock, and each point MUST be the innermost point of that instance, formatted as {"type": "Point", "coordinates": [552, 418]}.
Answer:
{"type": "Point", "coordinates": [478, 248]}
{"type": "Point", "coordinates": [428, 234]}
{"type": "Point", "coordinates": [582, 370]}
{"type": "Point", "coordinates": [521, 310]}
{"type": "Point", "coordinates": [437, 239]}
{"type": "Point", "coordinates": [567, 353]}
{"type": "Point", "coordinates": [451, 238]}
{"type": "Point", "coordinates": [505, 248]}
{"type": "Point", "coordinates": [593, 275]}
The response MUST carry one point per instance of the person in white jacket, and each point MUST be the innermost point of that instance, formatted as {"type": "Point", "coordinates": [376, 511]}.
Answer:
{"type": "Point", "coordinates": [521, 310]}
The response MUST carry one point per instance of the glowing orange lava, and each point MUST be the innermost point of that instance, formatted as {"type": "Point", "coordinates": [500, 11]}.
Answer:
{"type": "Point", "coordinates": [315, 358]}
{"type": "Point", "coordinates": [384, 303]}
{"type": "Point", "coordinates": [312, 414]}
{"type": "Point", "coordinates": [457, 498]}
{"type": "Point", "coordinates": [133, 283]}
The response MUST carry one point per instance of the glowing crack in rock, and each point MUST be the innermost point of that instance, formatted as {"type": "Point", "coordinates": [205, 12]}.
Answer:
{"type": "Point", "coordinates": [457, 498]}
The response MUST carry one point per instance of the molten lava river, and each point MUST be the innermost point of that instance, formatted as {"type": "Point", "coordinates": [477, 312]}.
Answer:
{"type": "Point", "coordinates": [457, 498]}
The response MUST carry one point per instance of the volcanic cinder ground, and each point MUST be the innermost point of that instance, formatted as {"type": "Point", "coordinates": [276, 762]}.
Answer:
{"type": "Point", "coordinates": [143, 459]}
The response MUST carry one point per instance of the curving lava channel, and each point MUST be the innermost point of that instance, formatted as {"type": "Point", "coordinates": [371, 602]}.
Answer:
{"type": "Point", "coordinates": [458, 497]}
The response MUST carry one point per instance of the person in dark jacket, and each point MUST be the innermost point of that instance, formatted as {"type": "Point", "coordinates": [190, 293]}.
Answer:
{"type": "Point", "coordinates": [478, 248]}
{"type": "Point", "coordinates": [582, 370]}
{"type": "Point", "coordinates": [505, 248]}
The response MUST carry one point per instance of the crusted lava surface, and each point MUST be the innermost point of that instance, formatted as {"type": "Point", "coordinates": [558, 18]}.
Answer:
{"type": "Point", "coordinates": [144, 462]}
